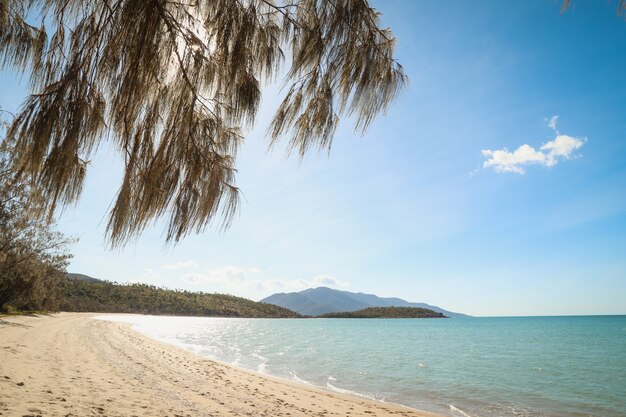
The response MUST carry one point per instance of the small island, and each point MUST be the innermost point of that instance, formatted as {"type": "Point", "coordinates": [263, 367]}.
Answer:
{"type": "Point", "coordinates": [387, 313]}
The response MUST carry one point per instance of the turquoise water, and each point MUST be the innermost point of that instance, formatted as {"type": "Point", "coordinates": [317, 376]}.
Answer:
{"type": "Point", "coordinates": [476, 367]}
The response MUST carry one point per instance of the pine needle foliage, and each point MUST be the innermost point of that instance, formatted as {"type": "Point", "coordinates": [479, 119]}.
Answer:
{"type": "Point", "coordinates": [172, 84]}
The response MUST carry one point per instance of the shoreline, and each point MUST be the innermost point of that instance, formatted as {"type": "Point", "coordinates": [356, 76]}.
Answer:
{"type": "Point", "coordinates": [306, 384]}
{"type": "Point", "coordinates": [72, 364]}
{"type": "Point", "coordinates": [281, 379]}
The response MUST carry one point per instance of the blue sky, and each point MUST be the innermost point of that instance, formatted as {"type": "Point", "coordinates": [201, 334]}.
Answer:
{"type": "Point", "coordinates": [469, 194]}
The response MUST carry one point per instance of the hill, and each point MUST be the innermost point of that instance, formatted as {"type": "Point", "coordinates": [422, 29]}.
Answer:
{"type": "Point", "coordinates": [322, 300]}
{"type": "Point", "coordinates": [388, 313]}
{"type": "Point", "coordinates": [93, 295]}
{"type": "Point", "coordinates": [82, 277]}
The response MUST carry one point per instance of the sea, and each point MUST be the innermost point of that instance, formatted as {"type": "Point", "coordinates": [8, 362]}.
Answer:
{"type": "Point", "coordinates": [572, 366]}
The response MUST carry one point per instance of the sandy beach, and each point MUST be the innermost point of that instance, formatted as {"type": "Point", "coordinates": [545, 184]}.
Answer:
{"type": "Point", "coordinates": [73, 365]}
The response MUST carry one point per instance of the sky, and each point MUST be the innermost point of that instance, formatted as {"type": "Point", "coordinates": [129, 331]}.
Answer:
{"type": "Point", "coordinates": [494, 186]}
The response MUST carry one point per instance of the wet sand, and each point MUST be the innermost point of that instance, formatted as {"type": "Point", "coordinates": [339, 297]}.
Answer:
{"type": "Point", "coordinates": [69, 364]}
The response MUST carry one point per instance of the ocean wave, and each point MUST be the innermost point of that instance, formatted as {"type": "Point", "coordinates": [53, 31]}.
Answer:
{"type": "Point", "coordinates": [459, 411]}
{"type": "Point", "coordinates": [295, 377]}
{"type": "Point", "coordinates": [261, 367]}
{"type": "Point", "coordinates": [261, 358]}
{"type": "Point", "coordinates": [350, 392]}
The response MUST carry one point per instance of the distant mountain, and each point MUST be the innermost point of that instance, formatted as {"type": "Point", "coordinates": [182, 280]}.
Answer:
{"type": "Point", "coordinates": [322, 300]}
{"type": "Point", "coordinates": [81, 277]}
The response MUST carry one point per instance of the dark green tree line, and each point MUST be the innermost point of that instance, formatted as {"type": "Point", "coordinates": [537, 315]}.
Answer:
{"type": "Point", "coordinates": [387, 313]}
{"type": "Point", "coordinates": [109, 297]}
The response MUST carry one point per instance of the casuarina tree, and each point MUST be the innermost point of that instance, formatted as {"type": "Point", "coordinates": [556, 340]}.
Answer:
{"type": "Point", "coordinates": [172, 83]}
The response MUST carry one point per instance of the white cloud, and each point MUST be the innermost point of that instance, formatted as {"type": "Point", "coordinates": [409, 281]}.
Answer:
{"type": "Point", "coordinates": [148, 274]}
{"type": "Point", "coordinates": [237, 278]}
{"type": "Point", "coordinates": [181, 265]}
{"type": "Point", "coordinates": [549, 154]}
{"type": "Point", "coordinates": [562, 146]}
{"type": "Point", "coordinates": [329, 281]}
{"type": "Point", "coordinates": [504, 161]}
{"type": "Point", "coordinates": [552, 122]}
{"type": "Point", "coordinates": [228, 276]}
